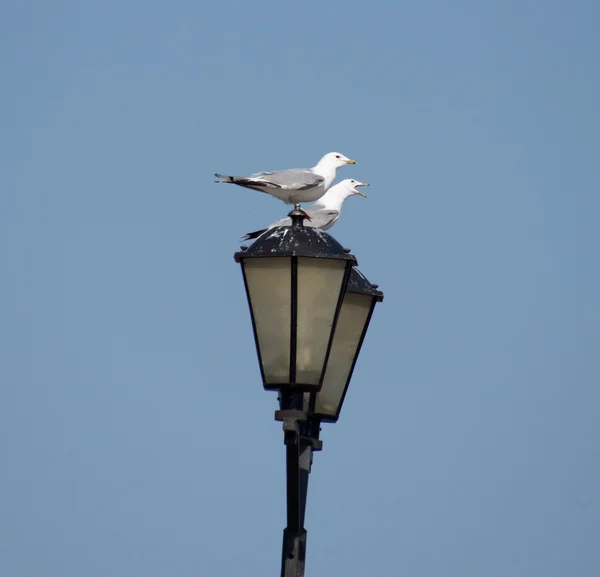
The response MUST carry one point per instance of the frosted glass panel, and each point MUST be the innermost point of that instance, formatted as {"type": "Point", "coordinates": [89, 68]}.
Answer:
{"type": "Point", "coordinates": [350, 325]}
{"type": "Point", "coordinates": [269, 286]}
{"type": "Point", "coordinates": [319, 287]}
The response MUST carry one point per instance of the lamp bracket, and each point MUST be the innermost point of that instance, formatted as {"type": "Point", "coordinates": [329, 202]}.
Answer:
{"type": "Point", "coordinates": [290, 414]}
{"type": "Point", "coordinates": [316, 444]}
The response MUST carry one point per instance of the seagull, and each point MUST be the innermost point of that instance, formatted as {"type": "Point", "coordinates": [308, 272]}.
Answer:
{"type": "Point", "coordinates": [295, 185]}
{"type": "Point", "coordinates": [324, 213]}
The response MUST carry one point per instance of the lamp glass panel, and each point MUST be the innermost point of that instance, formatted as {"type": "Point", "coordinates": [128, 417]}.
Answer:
{"type": "Point", "coordinates": [269, 289]}
{"type": "Point", "coordinates": [351, 323]}
{"type": "Point", "coordinates": [320, 283]}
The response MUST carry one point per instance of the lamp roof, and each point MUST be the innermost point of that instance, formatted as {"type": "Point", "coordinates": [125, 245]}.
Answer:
{"type": "Point", "coordinates": [358, 283]}
{"type": "Point", "coordinates": [295, 240]}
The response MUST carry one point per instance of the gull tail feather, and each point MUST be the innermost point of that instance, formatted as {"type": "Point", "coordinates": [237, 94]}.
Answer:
{"type": "Point", "coordinates": [245, 181]}
{"type": "Point", "coordinates": [254, 234]}
{"type": "Point", "coordinates": [225, 179]}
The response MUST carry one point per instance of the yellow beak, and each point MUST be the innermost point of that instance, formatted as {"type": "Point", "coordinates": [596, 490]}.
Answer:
{"type": "Point", "coordinates": [359, 192]}
{"type": "Point", "coordinates": [351, 161]}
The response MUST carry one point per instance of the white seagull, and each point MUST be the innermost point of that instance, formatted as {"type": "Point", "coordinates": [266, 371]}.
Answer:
{"type": "Point", "coordinates": [324, 213]}
{"type": "Point", "coordinates": [295, 185]}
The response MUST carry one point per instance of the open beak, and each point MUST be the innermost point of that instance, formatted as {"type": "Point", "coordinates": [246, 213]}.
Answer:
{"type": "Point", "coordinates": [358, 191]}
{"type": "Point", "coordinates": [350, 161]}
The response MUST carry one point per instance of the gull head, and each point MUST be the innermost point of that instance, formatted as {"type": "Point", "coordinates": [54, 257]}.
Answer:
{"type": "Point", "coordinates": [335, 160]}
{"type": "Point", "coordinates": [353, 185]}
{"type": "Point", "coordinates": [338, 193]}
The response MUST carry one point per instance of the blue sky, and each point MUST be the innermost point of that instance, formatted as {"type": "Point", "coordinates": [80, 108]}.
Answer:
{"type": "Point", "coordinates": [135, 438]}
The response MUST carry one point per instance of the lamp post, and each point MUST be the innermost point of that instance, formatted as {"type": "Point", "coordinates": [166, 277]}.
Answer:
{"type": "Point", "coordinates": [310, 310]}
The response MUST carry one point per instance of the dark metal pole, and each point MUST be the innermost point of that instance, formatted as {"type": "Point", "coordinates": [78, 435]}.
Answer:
{"type": "Point", "coordinates": [301, 438]}
{"type": "Point", "coordinates": [293, 554]}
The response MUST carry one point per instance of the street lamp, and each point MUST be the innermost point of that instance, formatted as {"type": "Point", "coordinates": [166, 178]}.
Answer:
{"type": "Point", "coordinates": [295, 279]}
{"type": "Point", "coordinates": [310, 311]}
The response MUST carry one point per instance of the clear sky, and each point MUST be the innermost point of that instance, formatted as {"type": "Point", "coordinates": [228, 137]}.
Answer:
{"type": "Point", "coordinates": [135, 437]}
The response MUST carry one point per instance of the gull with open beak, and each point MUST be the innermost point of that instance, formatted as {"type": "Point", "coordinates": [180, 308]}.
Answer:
{"type": "Point", "coordinates": [324, 213]}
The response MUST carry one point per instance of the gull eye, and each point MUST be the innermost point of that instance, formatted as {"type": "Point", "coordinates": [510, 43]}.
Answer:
{"type": "Point", "coordinates": [337, 156]}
